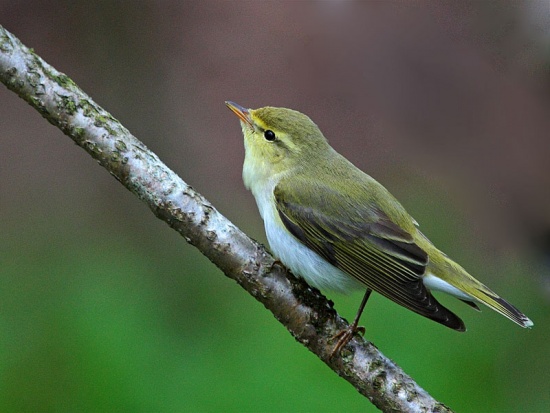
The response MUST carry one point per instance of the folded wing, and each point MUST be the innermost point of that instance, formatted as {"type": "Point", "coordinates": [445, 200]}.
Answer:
{"type": "Point", "coordinates": [361, 240]}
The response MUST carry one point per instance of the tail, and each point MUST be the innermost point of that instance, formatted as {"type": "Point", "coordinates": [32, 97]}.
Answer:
{"type": "Point", "coordinates": [500, 305]}
{"type": "Point", "coordinates": [451, 278]}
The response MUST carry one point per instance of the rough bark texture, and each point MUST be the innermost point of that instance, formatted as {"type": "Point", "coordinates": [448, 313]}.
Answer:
{"type": "Point", "coordinates": [307, 314]}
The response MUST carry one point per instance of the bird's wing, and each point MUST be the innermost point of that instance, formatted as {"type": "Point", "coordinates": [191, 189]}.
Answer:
{"type": "Point", "coordinates": [361, 240]}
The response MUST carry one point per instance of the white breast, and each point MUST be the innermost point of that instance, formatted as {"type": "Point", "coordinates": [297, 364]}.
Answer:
{"type": "Point", "coordinates": [301, 260]}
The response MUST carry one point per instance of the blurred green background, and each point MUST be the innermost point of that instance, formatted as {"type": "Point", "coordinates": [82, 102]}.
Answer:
{"type": "Point", "coordinates": [104, 308]}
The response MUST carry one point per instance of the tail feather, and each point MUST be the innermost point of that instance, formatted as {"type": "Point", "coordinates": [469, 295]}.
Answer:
{"type": "Point", "coordinates": [471, 304]}
{"type": "Point", "coordinates": [503, 307]}
{"type": "Point", "coordinates": [455, 280]}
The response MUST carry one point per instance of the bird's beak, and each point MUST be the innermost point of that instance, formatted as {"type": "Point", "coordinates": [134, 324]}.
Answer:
{"type": "Point", "coordinates": [242, 113]}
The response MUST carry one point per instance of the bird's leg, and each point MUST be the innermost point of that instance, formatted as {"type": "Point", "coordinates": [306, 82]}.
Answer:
{"type": "Point", "coordinates": [278, 263]}
{"type": "Point", "coordinates": [346, 335]}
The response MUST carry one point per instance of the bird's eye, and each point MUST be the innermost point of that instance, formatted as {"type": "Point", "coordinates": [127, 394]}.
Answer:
{"type": "Point", "coordinates": [269, 135]}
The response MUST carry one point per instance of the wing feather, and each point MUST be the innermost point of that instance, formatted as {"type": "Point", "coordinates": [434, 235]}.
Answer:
{"type": "Point", "coordinates": [365, 243]}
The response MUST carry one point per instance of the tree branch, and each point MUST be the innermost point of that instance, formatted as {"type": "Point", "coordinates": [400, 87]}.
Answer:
{"type": "Point", "coordinates": [307, 314]}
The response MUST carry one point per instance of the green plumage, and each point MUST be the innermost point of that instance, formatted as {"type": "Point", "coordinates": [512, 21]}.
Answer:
{"type": "Point", "coordinates": [348, 219]}
{"type": "Point", "coordinates": [362, 240]}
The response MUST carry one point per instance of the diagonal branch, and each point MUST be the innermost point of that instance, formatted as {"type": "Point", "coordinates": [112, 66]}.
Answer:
{"type": "Point", "coordinates": [307, 315]}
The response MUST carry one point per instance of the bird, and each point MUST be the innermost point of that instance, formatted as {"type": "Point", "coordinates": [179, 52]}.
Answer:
{"type": "Point", "coordinates": [339, 229]}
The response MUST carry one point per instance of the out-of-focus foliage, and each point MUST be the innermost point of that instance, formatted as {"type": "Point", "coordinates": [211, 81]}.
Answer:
{"type": "Point", "coordinates": [104, 308]}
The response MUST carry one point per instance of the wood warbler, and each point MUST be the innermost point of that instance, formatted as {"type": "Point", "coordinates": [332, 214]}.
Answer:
{"type": "Point", "coordinates": [339, 229]}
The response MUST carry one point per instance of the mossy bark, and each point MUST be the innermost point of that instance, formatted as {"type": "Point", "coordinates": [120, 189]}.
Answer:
{"type": "Point", "coordinates": [304, 311]}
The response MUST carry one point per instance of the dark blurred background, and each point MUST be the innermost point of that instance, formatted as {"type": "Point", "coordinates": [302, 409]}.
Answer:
{"type": "Point", "coordinates": [104, 308]}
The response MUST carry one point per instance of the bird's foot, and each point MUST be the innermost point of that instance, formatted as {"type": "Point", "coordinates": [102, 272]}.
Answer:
{"type": "Point", "coordinates": [277, 263]}
{"type": "Point", "coordinates": [344, 337]}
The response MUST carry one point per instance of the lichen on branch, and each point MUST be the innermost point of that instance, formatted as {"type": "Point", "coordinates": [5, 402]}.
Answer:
{"type": "Point", "coordinates": [304, 311]}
